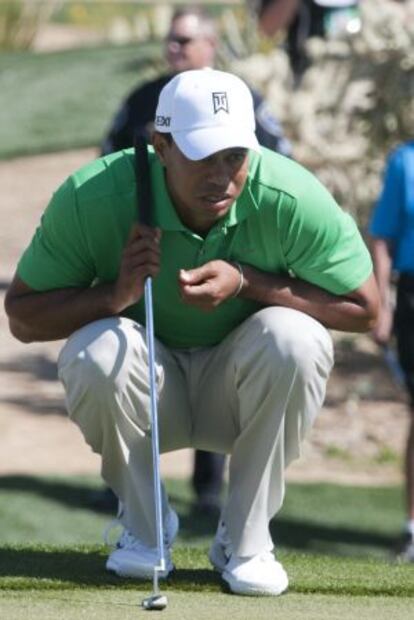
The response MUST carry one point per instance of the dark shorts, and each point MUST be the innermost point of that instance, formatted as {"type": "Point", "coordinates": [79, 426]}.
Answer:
{"type": "Point", "coordinates": [404, 329]}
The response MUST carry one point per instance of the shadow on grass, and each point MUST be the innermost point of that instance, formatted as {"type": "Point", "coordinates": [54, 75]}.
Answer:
{"type": "Point", "coordinates": [296, 535]}
{"type": "Point", "coordinates": [293, 534]}
{"type": "Point", "coordinates": [72, 493]}
{"type": "Point", "coordinates": [83, 568]}
{"type": "Point", "coordinates": [198, 528]}
{"type": "Point", "coordinates": [303, 536]}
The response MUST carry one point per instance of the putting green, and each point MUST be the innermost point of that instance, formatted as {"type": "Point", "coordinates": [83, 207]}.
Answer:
{"type": "Point", "coordinates": [125, 605]}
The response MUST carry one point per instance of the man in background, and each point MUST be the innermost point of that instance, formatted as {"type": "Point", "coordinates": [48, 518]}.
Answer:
{"type": "Point", "coordinates": [191, 43]}
{"type": "Point", "coordinates": [392, 230]}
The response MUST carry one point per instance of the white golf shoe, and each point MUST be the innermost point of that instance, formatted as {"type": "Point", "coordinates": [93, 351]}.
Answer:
{"type": "Point", "coordinates": [257, 575]}
{"type": "Point", "coordinates": [133, 558]}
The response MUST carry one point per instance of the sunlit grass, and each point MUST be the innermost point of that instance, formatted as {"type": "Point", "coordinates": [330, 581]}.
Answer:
{"type": "Point", "coordinates": [63, 100]}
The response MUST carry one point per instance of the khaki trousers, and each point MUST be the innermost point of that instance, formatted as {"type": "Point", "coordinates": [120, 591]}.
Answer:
{"type": "Point", "coordinates": [253, 396]}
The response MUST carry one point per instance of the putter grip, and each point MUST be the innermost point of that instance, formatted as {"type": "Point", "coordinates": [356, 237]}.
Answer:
{"type": "Point", "coordinates": [143, 181]}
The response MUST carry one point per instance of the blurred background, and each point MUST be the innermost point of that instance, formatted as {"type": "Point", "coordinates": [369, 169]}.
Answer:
{"type": "Point", "coordinates": [79, 58]}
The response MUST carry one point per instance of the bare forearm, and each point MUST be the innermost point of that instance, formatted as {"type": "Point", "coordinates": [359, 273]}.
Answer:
{"type": "Point", "coordinates": [344, 313]}
{"type": "Point", "coordinates": [382, 257]}
{"type": "Point", "coordinates": [57, 314]}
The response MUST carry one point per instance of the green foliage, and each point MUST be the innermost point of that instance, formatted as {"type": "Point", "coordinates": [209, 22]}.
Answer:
{"type": "Point", "coordinates": [125, 21]}
{"type": "Point", "coordinates": [120, 21]}
{"type": "Point", "coordinates": [387, 455]}
{"type": "Point", "coordinates": [20, 21]}
{"type": "Point", "coordinates": [335, 452]}
{"type": "Point", "coordinates": [95, 14]}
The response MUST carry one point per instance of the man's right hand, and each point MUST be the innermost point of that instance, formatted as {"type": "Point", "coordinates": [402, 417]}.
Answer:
{"type": "Point", "coordinates": [140, 259]}
{"type": "Point", "coordinates": [383, 329]}
{"type": "Point", "coordinates": [37, 316]}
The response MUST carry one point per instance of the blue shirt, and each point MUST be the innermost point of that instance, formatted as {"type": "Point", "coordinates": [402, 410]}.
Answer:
{"type": "Point", "coordinates": [393, 216]}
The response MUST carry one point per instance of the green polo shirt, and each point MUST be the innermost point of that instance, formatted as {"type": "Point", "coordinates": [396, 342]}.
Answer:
{"type": "Point", "coordinates": [284, 221]}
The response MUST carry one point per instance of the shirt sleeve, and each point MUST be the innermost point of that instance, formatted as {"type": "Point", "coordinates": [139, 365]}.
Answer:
{"type": "Point", "coordinates": [58, 254]}
{"type": "Point", "coordinates": [386, 217]}
{"type": "Point", "coordinates": [322, 243]}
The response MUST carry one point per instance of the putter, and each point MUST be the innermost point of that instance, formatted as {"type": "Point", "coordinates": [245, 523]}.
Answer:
{"type": "Point", "coordinates": [156, 601]}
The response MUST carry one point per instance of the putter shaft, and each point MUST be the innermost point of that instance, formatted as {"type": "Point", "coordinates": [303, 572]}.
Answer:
{"type": "Point", "coordinates": [154, 433]}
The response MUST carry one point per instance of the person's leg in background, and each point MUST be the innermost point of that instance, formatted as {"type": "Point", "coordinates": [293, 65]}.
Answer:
{"type": "Point", "coordinates": [207, 480]}
{"type": "Point", "coordinates": [409, 476]}
{"type": "Point", "coordinates": [404, 329]}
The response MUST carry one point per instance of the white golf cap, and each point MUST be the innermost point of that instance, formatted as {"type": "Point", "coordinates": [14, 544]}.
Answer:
{"type": "Point", "coordinates": [207, 111]}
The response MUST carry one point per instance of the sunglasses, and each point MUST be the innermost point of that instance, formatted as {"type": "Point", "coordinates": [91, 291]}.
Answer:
{"type": "Point", "coordinates": [180, 40]}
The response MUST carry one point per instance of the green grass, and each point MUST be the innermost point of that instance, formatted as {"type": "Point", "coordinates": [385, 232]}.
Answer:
{"type": "Point", "coordinates": [124, 605]}
{"type": "Point", "coordinates": [316, 518]}
{"type": "Point", "coordinates": [62, 100]}
{"type": "Point", "coordinates": [334, 541]}
{"type": "Point", "coordinates": [44, 567]}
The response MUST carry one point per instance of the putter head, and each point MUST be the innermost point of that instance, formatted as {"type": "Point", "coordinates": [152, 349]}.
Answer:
{"type": "Point", "coordinates": [156, 602]}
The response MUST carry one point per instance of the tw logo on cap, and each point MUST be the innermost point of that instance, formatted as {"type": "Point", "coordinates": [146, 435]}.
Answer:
{"type": "Point", "coordinates": [220, 102]}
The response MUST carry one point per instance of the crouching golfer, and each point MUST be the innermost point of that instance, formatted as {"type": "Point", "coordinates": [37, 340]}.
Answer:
{"type": "Point", "coordinates": [252, 261]}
